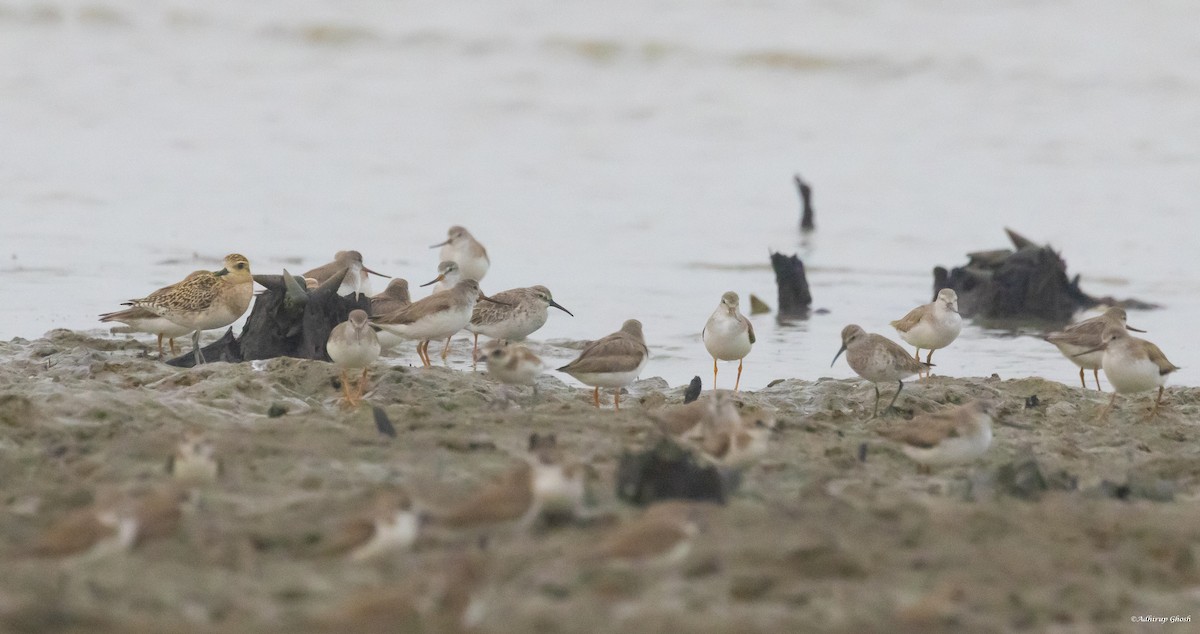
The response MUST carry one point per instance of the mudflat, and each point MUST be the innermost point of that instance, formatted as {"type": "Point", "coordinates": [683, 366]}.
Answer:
{"type": "Point", "coordinates": [1067, 522]}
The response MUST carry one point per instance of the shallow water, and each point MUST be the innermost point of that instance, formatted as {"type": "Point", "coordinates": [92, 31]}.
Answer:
{"type": "Point", "coordinates": [637, 161]}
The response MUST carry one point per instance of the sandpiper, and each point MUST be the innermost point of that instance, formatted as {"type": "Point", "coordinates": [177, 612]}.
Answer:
{"type": "Point", "coordinates": [194, 460]}
{"type": "Point", "coordinates": [1132, 365]}
{"type": "Point", "coordinates": [728, 335]}
{"type": "Point", "coordinates": [957, 435]}
{"type": "Point", "coordinates": [353, 345]}
{"type": "Point", "coordinates": [461, 247]}
{"type": "Point", "coordinates": [512, 363]}
{"type": "Point", "coordinates": [548, 484]}
{"type": "Point", "coordinates": [527, 310]}
{"type": "Point", "coordinates": [1076, 340]}
{"type": "Point", "coordinates": [439, 315]}
{"type": "Point", "coordinates": [142, 320]}
{"type": "Point", "coordinates": [114, 522]}
{"type": "Point", "coordinates": [739, 444]}
{"type": "Point", "coordinates": [355, 282]}
{"type": "Point", "coordinates": [613, 361]}
{"type": "Point", "coordinates": [391, 524]}
{"type": "Point", "coordinates": [451, 596]}
{"type": "Point", "coordinates": [204, 300]}
{"type": "Point", "coordinates": [448, 276]}
{"type": "Point", "coordinates": [877, 359]}
{"type": "Point", "coordinates": [931, 326]}
{"type": "Point", "coordinates": [392, 298]}
{"type": "Point", "coordinates": [661, 537]}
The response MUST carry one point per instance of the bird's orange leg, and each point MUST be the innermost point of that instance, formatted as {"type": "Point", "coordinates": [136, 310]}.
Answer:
{"type": "Point", "coordinates": [347, 399]}
{"type": "Point", "coordinates": [596, 397]}
{"type": "Point", "coordinates": [714, 373]}
{"type": "Point", "coordinates": [1112, 401]}
{"type": "Point", "coordinates": [1157, 401]}
{"type": "Point", "coordinates": [446, 348]}
{"type": "Point", "coordinates": [160, 345]}
{"type": "Point", "coordinates": [929, 360]}
{"type": "Point", "coordinates": [1081, 379]}
{"type": "Point", "coordinates": [739, 376]}
{"type": "Point", "coordinates": [617, 399]}
{"type": "Point", "coordinates": [363, 384]}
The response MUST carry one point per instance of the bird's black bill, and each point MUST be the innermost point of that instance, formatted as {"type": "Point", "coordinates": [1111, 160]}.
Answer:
{"type": "Point", "coordinates": [835, 357]}
{"type": "Point", "coordinates": [440, 244]}
{"type": "Point", "coordinates": [1134, 329]}
{"type": "Point", "coordinates": [376, 273]}
{"type": "Point", "coordinates": [556, 305]}
{"type": "Point", "coordinates": [434, 281]}
{"type": "Point", "coordinates": [222, 272]}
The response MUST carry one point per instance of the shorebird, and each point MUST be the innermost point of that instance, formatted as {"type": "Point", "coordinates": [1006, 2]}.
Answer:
{"type": "Point", "coordinates": [953, 436]}
{"type": "Point", "coordinates": [355, 282]}
{"type": "Point", "coordinates": [392, 299]}
{"type": "Point", "coordinates": [931, 326]}
{"type": "Point", "coordinates": [353, 345]}
{"type": "Point", "coordinates": [142, 320]}
{"type": "Point", "coordinates": [204, 300]}
{"type": "Point", "coordinates": [450, 596]}
{"type": "Point", "coordinates": [439, 315]}
{"type": "Point", "coordinates": [391, 524]}
{"type": "Point", "coordinates": [194, 460]}
{"type": "Point", "coordinates": [512, 364]}
{"type": "Point", "coordinates": [1132, 365]}
{"type": "Point", "coordinates": [461, 247]}
{"type": "Point", "coordinates": [523, 312]}
{"type": "Point", "coordinates": [548, 484]}
{"type": "Point", "coordinates": [737, 443]}
{"type": "Point", "coordinates": [448, 276]}
{"type": "Point", "coordinates": [877, 359]}
{"type": "Point", "coordinates": [115, 522]}
{"type": "Point", "coordinates": [1076, 340]}
{"type": "Point", "coordinates": [728, 335]}
{"type": "Point", "coordinates": [661, 537]}
{"type": "Point", "coordinates": [613, 361]}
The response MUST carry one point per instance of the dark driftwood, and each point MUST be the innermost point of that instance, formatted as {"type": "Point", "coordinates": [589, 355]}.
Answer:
{"type": "Point", "coordinates": [794, 296]}
{"type": "Point", "coordinates": [1029, 282]}
{"type": "Point", "coordinates": [806, 208]}
{"type": "Point", "coordinates": [693, 390]}
{"type": "Point", "coordinates": [667, 471]}
{"type": "Point", "coordinates": [287, 320]}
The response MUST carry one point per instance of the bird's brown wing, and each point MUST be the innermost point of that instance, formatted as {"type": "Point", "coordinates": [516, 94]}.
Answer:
{"type": "Point", "coordinates": [618, 352]}
{"type": "Point", "coordinates": [489, 313]}
{"type": "Point", "coordinates": [906, 323]}
{"type": "Point", "coordinates": [415, 311]}
{"type": "Point", "coordinates": [1160, 359]}
{"type": "Point", "coordinates": [926, 431]}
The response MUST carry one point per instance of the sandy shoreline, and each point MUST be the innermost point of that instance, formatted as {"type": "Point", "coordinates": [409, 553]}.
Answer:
{"type": "Point", "coordinates": [1066, 522]}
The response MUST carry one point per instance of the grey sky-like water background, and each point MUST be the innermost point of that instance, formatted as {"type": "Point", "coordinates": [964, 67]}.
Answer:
{"type": "Point", "coordinates": [635, 156]}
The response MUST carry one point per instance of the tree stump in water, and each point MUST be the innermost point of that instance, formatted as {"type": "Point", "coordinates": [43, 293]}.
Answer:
{"type": "Point", "coordinates": [806, 208]}
{"type": "Point", "coordinates": [794, 296]}
{"type": "Point", "coordinates": [288, 320]}
{"type": "Point", "coordinates": [1027, 283]}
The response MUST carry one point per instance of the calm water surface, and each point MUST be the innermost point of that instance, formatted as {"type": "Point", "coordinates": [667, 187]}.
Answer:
{"type": "Point", "coordinates": [636, 158]}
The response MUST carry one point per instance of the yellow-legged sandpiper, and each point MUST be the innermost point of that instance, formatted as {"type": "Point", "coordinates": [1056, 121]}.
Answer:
{"type": "Point", "coordinates": [613, 361]}
{"type": "Point", "coordinates": [728, 335]}
{"type": "Point", "coordinates": [1075, 341]}
{"type": "Point", "coordinates": [931, 326]}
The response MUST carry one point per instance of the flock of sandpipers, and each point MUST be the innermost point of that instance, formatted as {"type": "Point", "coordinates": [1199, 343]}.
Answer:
{"type": "Point", "coordinates": [718, 427]}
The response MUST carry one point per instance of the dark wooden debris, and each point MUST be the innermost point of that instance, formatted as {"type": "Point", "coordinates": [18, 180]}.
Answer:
{"type": "Point", "coordinates": [1029, 282]}
{"type": "Point", "coordinates": [667, 471]}
{"type": "Point", "coordinates": [806, 208]}
{"type": "Point", "coordinates": [287, 320]}
{"type": "Point", "coordinates": [795, 300]}
{"type": "Point", "coordinates": [693, 390]}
